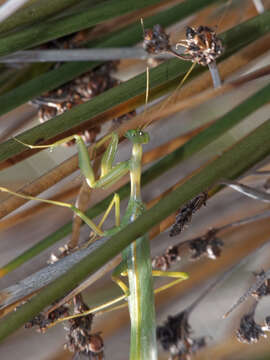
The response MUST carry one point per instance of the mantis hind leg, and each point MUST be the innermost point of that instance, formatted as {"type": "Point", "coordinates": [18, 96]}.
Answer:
{"type": "Point", "coordinates": [115, 277]}
{"type": "Point", "coordinates": [116, 202]}
{"type": "Point", "coordinates": [180, 276]}
{"type": "Point", "coordinates": [90, 311]}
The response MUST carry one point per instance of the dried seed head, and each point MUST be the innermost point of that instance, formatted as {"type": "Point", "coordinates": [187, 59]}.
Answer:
{"type": "Point", "coordinates": [264, 289]}
{"type": "Point", "coordinates": [70, 41]}
{"type": "Point", "coordinates": [184, 216]}
{"type": "Point", "coordinates": [174, 329]}
{"type": "Point", "coordinates": [96, 345]}
{"type": "Point", "coordinates": [63, 252]}
{"type": "Point", "coordinates": [76, 92]}
{"type": "Point", "coordinates": [124, 118]}
{"type": "Point", "coordinates": [79, 337]}
{"type": "Point", "coordinates": [202, 45]}
{"type": "Point", "coordinates": [249, 331]}
{"type": "Point", "coordinates": [41, 321]}
{"type": "Point", "coordinates": [156, 40]}
{"type": "Point", "coordinates": [175, 336]}
{"type": "Point", "coordinates": [161, 263]}
{"type": "Point", "coordinates": [207, 245]}
{"type": "Point", "coordinates": [266, 326]}
{"type": "Point", "coordinates": [165, 261]}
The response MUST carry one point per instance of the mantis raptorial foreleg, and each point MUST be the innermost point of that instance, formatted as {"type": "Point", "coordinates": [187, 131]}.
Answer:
{"type": "Point", "coordinates": [109, 174]}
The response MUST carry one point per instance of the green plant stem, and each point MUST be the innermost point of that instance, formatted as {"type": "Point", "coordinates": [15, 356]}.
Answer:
{"type": "Point", "coordinates": [234, 38]}
{"type": "Point", "coordinates": [197, 143]}
{"type": "Point", "coordinates": [43, 32]}
{"type": "Point", "coordinates": [25, 74]}
{"type": "Point", "coordinates": [34, 12]}
{"type": "Point", "coordinates": [245, 154]}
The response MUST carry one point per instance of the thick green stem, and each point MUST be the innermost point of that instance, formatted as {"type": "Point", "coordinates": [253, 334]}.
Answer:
{"type": "Point", "coordinates": [245, 154]}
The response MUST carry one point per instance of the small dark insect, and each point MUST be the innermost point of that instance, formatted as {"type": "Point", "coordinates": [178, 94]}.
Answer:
{"type": "Point", "coordinates": [184, 216]}
{"type": "Point", "coordinates": [202, 45]}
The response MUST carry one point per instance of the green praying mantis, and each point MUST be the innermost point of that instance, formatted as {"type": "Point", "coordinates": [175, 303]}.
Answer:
{"type": "Point", "coordinates": [136, 260]}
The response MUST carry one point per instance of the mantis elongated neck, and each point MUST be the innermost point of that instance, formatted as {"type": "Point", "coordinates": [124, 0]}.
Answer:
{"type": "Point", "coordinates": [135, 172]}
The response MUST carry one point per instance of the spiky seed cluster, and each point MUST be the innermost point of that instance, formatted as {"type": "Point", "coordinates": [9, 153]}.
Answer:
{"type": "Point", "coordinates": [184, 216]}
{"type": "Point", "coordinates": [79, 337]}
{"type": "Point", "coordinates": [207, 245]}
{"type": "Point", "coordinates": [175, 337]}
{"type": "Point", "coordinates": [156, 40]}
{"type": "Point", "coordinates": [249, 331]}
{"type": "Point", "coordinates": [41, 321]}
{"type": "Point", "coordinates": [202, 45]}
{"type": "Point", "coordinates": [165, 261]}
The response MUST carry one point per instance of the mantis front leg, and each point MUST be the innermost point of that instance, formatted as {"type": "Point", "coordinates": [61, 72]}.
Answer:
{"type": "Point", "coordinates": [109, 175]}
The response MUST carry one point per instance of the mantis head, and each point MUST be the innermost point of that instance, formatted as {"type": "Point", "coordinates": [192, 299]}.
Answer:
{"type": "Point", "coordinates": [137, 136]}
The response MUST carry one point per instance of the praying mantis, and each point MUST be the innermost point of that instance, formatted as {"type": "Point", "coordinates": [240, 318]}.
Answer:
{"type": "Point", "coordinates": [136, 260]}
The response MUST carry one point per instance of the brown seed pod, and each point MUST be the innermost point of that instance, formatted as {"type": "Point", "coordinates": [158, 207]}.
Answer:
{"type": "Point", "coordinates": [202, 45]}
{"type": "Point", "coordinates": [156, 40]}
